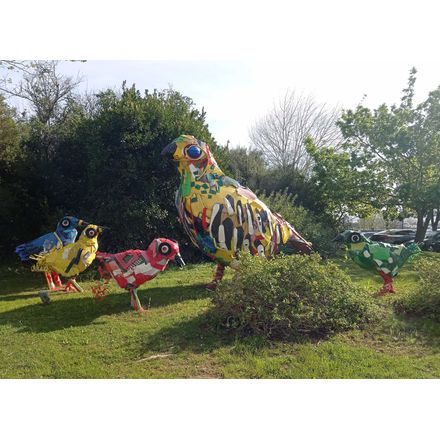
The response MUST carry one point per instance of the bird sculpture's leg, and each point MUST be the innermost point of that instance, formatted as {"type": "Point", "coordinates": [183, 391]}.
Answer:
{"type": "Point", "coordinates": [49, 280]}
{"type": "Point", "coordinates": [56, 279]}
{"type": "Point", "coordinates": [135, 303]}
{"type": "Point", "coordinates": [387, 284]}
{"type": "Point", "coordinates": [73, 286]}
{"type": "Point", "coordinates": [218, 275]}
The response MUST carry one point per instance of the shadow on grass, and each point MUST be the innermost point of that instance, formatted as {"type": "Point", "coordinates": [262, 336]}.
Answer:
{"type": "Point", "coordinates": [66, 310]}
{"type": "Point", "coordinates": [8, 297]}
{"type": "Point", "coordinates": [25, 283]}
{"type": "Point", "coordinates": [60, 314]}
{"type": "Point", "coordinates": [164, 296]}
{"type": "Point", "coordinates": [204, 334]}
{"type": "Point", "coordinates": [198, 335]}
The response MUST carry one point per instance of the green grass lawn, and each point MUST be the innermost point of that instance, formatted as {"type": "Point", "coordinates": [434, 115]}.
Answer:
{"type": "Point", "coordinates": [79, 337]}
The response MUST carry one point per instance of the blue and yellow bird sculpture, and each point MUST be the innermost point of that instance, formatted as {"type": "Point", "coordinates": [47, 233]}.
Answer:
{"type": "Point", "coordinates": [222, 217]}
{"type": "Point", "coordinates": [72, 259]}
{"type": "Point", "coordinates": [384, 258]}
{"type": "Point", "coordinates": [65, 233]}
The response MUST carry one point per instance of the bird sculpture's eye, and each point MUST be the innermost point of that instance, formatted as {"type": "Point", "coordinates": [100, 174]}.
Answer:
{"type": "Point", "coordinates": [90, 233]}
{"type": "Point", "coordinates": [355, 238]}
{"type": "Point", "coordinates": [193, 152]}
{"type": "Point", "coordinates": [164, 249]}
{"type": "Point", "coordinates": [65, 222]}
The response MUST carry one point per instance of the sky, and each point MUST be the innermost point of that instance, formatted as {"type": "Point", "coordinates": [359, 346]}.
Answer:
{"type": "Point", "coordinates": [235, 60]}
{"type": "Point", "coordinates": [236, 93]}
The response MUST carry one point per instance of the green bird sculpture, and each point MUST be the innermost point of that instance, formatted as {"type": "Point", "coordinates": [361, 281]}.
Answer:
{"type": "Point", "coordinates": [386, 259]}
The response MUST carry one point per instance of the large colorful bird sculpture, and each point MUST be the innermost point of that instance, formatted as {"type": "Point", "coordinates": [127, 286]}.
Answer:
{"type": "Point", "coordinates": [65, 233]}
{"type": "Point", "coordinates": [384, 258]}
{"type": "Point", "coordinates": [72, 259]}
{"type": "Point", "coordinates": [132, 268]}
{"type": "Point", "coordinates": [222, 217]}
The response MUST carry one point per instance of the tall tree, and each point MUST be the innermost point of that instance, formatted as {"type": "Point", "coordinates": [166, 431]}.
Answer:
{"type": "Point", "coordinates": [14, 198]}
{"type": "Point", "coordinates": [402, 142]}
{"type": "Point", "coordinates": [245, 165]}
{"type": "Point", "coordinates": [281, 134]}
{"type": "Point", "coordinates": [109, 168]}
{"type": "Point", "coordinates": [345, 184]}
{"type": "Point", "coordinates": [47, 92]}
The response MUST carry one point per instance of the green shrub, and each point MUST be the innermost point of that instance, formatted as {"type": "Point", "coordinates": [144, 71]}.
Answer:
{"type": "Point", "coordinates": [425, 299]}
{"type": "Point", "coordinates": [290, 296]}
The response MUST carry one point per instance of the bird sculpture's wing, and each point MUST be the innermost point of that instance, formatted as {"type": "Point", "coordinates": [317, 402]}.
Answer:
{"type": "Point", "coordinates": [68, 261]}
{"type": "Point", "coordinates": [129, 268]}
{"type": "Point", "coordinates": [54, 260]}
{"type": "Point", "coordinates": [40, 245]}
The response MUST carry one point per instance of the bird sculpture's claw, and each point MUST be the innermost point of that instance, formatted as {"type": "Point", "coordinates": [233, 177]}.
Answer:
{"type": "Point", "coordinates": [386, 289]}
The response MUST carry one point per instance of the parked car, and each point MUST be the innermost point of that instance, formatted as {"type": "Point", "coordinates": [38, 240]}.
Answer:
{"type": "Point", "coordinates": [395, 236]}
{"type": "Point", "coordinates": [368, 234]}
{"type": "Point", "coordinates": [431, 241]}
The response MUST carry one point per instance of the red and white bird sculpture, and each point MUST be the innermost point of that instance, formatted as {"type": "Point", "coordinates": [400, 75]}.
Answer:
{"type": "Point", "coordinates": [134, 267]}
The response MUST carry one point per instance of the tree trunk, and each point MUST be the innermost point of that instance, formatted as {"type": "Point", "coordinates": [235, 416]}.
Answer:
{"type": "Point", "coordinates": [422, 225]}
{"type": "Point", "coordinates": [435, 220]}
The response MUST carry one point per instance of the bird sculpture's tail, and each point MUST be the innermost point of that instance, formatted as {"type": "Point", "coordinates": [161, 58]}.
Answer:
{"type": "Point", "coordinates": [40, 264]}
{"type": "Point", "coordinates": [296, 244]}
{"type": "Point", "coordinates": [23, 252]}
{"type": "Point", "coordinates": [408, 253]}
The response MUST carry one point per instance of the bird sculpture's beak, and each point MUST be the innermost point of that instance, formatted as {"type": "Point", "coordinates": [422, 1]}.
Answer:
{"type": "Point", "coordinates": [82, 223]}
{"type": "Point", "coordinates": [179, 261]}
{"type": "Point", "coordinates": [169, 150]}
{"type": "Point", "coordinates": [101, 229]}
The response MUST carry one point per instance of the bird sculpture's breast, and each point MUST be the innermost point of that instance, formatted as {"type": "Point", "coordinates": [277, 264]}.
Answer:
{"type": "Point", "coordinates": [224, 219]}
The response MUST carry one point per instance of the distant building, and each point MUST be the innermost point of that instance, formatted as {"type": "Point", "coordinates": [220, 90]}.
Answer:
{"type": "Point", "coordinates": [378, 223]}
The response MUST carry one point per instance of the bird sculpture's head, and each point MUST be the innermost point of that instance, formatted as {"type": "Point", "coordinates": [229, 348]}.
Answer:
{"type": "Point", "coordinates": [68, 222]}
{"type": "Point", "coordinates": [90, 234]}
{"type": "Point", "coordinates": [351, 239]}
{"type": "Point", "coordinates": [192, 156]}
{"type": "Point", "coordinates": [164, 250]}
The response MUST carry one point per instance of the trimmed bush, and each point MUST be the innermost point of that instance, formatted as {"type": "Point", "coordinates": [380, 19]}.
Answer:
{"type": "Point", "coordinates": [425, 299]}
{"type": "Point", "coordinates": [290, 296]}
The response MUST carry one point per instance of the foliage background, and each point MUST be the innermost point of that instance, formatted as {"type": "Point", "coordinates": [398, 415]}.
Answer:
{"type": "Point", "coordinates": [101, 162]}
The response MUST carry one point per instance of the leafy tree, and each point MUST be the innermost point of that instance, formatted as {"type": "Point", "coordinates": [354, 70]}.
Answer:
{"type": "Point", "coordinates": [402, 144]}
{"type": "Point", "coordinates": [109, 168]}
{"type": "Point", "coordinates": [14, 196]}
{"type": "Point", "coordinates": [48, 92]}
{"type": "Point", "coordinates": [348, 187]}
{"type": "Point", "coordinates": [246, 166]}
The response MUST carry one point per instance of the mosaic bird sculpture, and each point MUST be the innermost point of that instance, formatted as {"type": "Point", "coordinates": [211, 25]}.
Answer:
{"type": "Point", "coordinates": [72, 259]}
{"type": "Point", "coordinates": [132, 268]}
{"type": "Point", "coordinates": [385, 258]}
{"type": "Point", "coordinates": [222, 217]}
{"type": "Point", "coordinates": [65, 233]}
